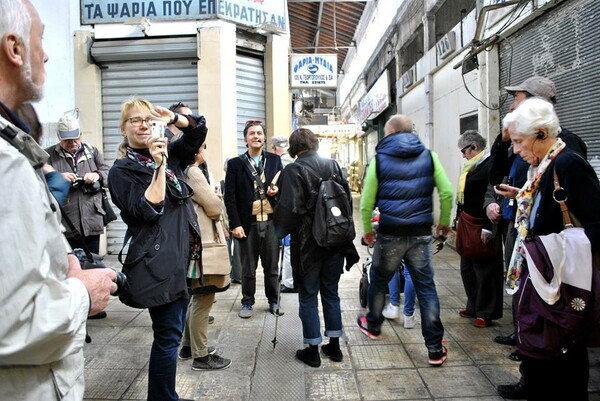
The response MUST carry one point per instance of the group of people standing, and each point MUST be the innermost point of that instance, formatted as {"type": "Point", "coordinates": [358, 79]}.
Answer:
{"type": "Point", "coordinates": [173, 215]}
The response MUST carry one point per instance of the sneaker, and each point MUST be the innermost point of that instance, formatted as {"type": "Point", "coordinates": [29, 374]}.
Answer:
{"type": "Point", "coordinates": [245, 312]}
{"type": "Point", "coordinates": [391, 311]}
{"type": "Point", "coordinates": [186, 352]}
{"type": "Point", "coordinates": [212, 362]}
{"type": "Point", "coordinates": [439, 357]}
{"type": "Point", "coordinates": [333, 353]}
{"type": "Point", "coordinates": [512, 391]}
{"type": "Point", "coordinates": [363, 325]}
{"type": "Point", "coordinates": [410, 321]}
{"type": "Point", "coordinates": [274, 310]}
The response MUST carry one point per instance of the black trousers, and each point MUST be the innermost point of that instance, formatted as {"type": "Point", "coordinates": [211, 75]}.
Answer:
{"type": "Point", "coordinates": [563, 378]}
{"type": "Point", "coordinates": [484, 285]}
{"type": "Point", "coordinates": [261, 242]}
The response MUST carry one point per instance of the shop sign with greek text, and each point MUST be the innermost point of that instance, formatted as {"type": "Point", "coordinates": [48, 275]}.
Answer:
{"type": "Point", "coordinates": [255, 13]}
{"type": "Point", "coordinates": [313, 70]}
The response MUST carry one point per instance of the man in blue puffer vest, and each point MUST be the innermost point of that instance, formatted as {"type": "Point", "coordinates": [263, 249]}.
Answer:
{"type": "Point", "coordinates": [400, 182]}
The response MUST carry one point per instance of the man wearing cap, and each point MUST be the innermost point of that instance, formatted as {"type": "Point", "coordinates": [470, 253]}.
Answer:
{"type": "Point", "coordinates": [83, 166]}
{"type": "Point", "coordinates": [45, 296]}
{"type": "Point", "coordinates": [499, 205]}
{"type": "Point", "coordinates": [250, 190]}
{"type": "Point", "coordinates": [279, 146]}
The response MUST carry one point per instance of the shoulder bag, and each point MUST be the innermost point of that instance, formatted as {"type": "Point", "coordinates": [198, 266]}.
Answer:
{"type": "Point", "coordinates": [558, 304]}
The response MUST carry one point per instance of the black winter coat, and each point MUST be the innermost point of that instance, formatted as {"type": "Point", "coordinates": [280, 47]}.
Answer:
{"type": "Point", "coordinates": [239, 189]}
{"type": "Point", "coordinates": [298, 192]}
{"type": "Point", "coordinates": [158, 256]}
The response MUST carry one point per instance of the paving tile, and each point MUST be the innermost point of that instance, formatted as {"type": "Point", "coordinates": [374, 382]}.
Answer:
{"type": "Point", "coordinates": [489, 352]}
{"type": "Point", "coordinates": [380, 357]}
{"type": "Point", "coordinates": [325, 385]}
{"type": "Point", "coordinates": [107, 384]}
{"type": "Point", "coordinates": [396, 384]}
{"type": "Point", "coordinates": [457, 381]}
{"type": "Point", "coordinates": [121, 356]}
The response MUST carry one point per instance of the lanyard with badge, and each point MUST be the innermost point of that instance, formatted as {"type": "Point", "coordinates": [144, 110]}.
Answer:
{"type": "Point", "coordinates": [261, 208]}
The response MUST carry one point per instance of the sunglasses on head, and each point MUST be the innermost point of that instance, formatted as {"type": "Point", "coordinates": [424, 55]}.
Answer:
{"type": "Point", "coordinates": [253, 122]}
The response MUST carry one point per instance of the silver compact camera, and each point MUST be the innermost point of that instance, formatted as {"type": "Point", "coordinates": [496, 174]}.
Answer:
{"type": "Point", "coordinates": [158, 128]}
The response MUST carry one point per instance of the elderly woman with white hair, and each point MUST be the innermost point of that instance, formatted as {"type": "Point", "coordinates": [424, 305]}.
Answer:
{"type": "Point", "coordinates": [550, 371]}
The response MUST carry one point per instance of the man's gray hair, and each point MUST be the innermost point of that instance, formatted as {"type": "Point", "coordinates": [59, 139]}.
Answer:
{"type": "Point", "coordinates": [531, 115]}
{"type": "Point", "coordinates": [15, 17]}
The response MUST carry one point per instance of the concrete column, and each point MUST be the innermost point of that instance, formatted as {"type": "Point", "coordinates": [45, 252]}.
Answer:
{"type": "Point", "coordinates": [428, 34]}
{"type": "Point", "coordinates": [216, 92]}
{"type": "Point", "coordinates": [88, 92]}
{"type": "Point", "coordinates": [489, 81]}
{"type": "Point", "coordinates": [278, 94]}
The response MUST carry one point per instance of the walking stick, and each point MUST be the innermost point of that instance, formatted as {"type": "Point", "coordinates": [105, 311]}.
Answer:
{"type": "Point", "coordinates": [278, 293]}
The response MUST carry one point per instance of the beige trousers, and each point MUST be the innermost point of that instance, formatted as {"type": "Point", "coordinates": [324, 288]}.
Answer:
{"type": "Point", "coordinates": [195, 334]}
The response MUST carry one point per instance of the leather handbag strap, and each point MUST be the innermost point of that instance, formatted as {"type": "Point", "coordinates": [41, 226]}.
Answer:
{"type": "Point", "coordinates": [568, 223]}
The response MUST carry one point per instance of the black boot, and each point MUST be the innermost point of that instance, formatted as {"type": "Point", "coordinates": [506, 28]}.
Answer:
{"type": "Point", "coordinates": [332, 350]}
{"type": "Point", "coordinates": [310, 356]}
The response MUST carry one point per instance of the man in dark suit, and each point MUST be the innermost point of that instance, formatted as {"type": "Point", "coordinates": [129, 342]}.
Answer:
{"type": "Point", "coordinates": [249, 198]}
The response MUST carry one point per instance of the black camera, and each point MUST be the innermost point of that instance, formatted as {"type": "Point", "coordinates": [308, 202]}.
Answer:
{"type": "Point", "coordinates": [88, 189]}
{"type": "Point", "coordinates": [96, 263]}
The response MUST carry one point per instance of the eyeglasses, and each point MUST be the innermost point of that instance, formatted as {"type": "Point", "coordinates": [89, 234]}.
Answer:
{"type": "Point", "coordinates": [464, 150]}
{"type": "Point", "coordinates": [137, 121]}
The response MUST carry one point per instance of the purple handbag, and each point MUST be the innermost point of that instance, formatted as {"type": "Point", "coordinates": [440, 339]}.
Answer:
{"type": "Point", "coordinates": [558, 300]}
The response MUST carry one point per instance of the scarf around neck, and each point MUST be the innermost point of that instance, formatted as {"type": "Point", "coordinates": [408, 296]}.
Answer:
{"type": "Point", "coordinates": [148, 162]}
{"type": "Point", "coordinates": [525, 200]}
{"type": "Point", "coordinates": [469, 166]}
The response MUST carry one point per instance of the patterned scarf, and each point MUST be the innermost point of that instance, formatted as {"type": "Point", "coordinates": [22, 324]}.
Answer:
{"type": "Point", "coordinates": [469, 166]}
{"type": "Point", "coordinates": [525, 200]}
{"type": "Point", "coordinates": [147, 161]}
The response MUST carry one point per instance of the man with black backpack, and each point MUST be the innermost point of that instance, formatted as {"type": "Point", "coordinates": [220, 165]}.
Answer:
{"type": "Point", "coordinates": [400, 182]}
{"type": "Point", "coordinates": [315, 207]}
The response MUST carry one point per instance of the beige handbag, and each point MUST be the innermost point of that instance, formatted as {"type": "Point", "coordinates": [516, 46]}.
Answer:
{"type": "Point", "coordinates": [215, 257]}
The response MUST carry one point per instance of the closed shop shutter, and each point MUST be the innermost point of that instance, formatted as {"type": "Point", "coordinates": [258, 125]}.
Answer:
{"type": "Point", "coordinates": [562, 45]}
{"type": "Point", "coordinates": [163, 71]}
{"type": "Point", "coordinates": [250, 92]}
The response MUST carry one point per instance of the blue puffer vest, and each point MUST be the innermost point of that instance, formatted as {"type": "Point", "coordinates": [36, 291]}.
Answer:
{"type": "Point", "coordinates": [405, 177]}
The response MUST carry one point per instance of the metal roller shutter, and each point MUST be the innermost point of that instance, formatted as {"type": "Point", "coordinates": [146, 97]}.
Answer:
{"type": "Point", "coordinates": [562, 45]}
{"type": "Point", "coordinates": [250, 93]}
{"type": "Point", "coordinates": [168, 78]}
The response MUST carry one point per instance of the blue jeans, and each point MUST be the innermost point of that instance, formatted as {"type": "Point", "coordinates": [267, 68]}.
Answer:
{"type": "Point", "coordinates": [416, 252]}
{"type": "Point", "coordinates": [167, 325]}
{"type": "Point", "coordinates": [409, 291]}
{"type": "Point", "coordinates": [323, 278]}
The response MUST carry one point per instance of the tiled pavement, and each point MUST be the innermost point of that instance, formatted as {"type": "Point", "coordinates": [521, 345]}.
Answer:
{"type": "Point", "coordinates": [393, 368]}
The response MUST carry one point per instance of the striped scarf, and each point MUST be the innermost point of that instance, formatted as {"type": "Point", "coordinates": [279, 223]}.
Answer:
{"type": "Point", "coordinates": [147, 161]}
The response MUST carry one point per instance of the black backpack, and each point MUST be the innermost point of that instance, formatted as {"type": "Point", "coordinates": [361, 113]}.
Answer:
{"type": "Point", "coordinates": [333, 224]}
